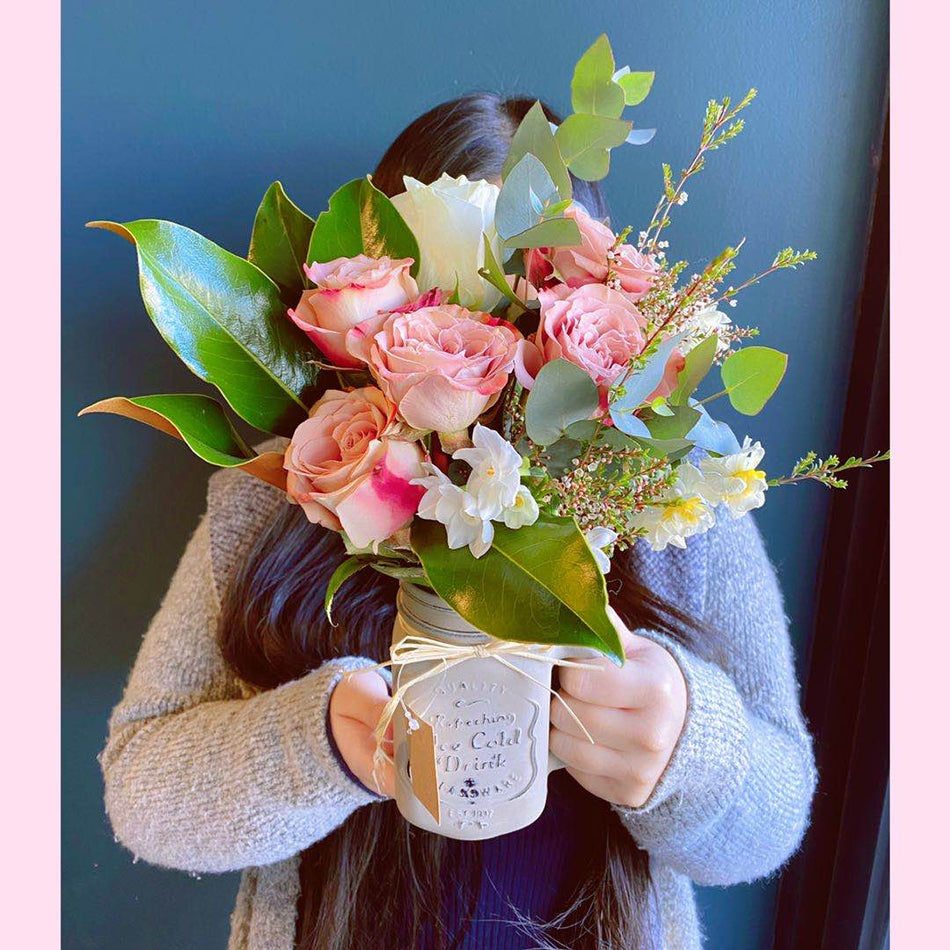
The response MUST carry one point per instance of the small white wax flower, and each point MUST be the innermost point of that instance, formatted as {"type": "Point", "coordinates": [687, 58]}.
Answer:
{"type": "Point", "coordinates": [703, 324]}
{"type": "Point", "coordinates": [735, 480]}
{"type": "Point", "coordinates": [683, 511]}
{"type": "Point", "coordinates": [522, 511]}
{"type": "Point", "coordinates": [457, 509]}
{"type": "Point", "coordinates": [599, 540]}
{"type": "Point", "coordinates": [496, 471]}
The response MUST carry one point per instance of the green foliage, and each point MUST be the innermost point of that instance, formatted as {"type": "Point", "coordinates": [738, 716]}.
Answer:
{"type": "Point", "coordinates": [712, 435]}
{"type": "Point", "coordinates": [345, 570]}
{"type": "Point", "coordinates": [225, 319]}
{"type": "Point", "coordinates": [699, 360]}
{"type": "Point", "coordinates": [562, 394]}
{"type": "Point", "coordinates": [637, 385]}
{"type": "Point", "coordinates": [827, 471]}
{"type": "Point", "coordinates": [279, 241]}
{"type": "Point", "coordinates": [675, 426]}
{"type": "Point", "coordinates": [751, 376]}
{"type": "Point", "coordinates": [553, 232]}
{"type": "Point", "coordinates": [525, 194]}
{"type": "Point", "coordinates": [593, 90]}
{"type": "Point", "coordinates": [536, 584]}
{"type": "Point", "coordinates": [534, 136]}
{"type": "Point", "coordinates": [791, 258]}
{"type": "Point", "coordinates": [361, 220]}
{"type": "Point", "coordinates": [636, 86]}
{"type": "Point", "coordinates": [493, 273]}
{"type": "Point", "coordinates": [585, 142]}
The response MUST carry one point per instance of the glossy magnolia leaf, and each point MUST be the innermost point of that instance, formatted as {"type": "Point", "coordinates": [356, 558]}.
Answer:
{"type": "Point", "coordinates": [225, 319]}
{"type": "Point", "coordinates": [534, 136]}
{"type": "Point", "coordinates": [526, 192]}
{"type": "Point", "coordinates": [537, 584]}
{"type": "Point", "coordinates": [552, 232]}
{"type": "Point", "coordinates": [698, 362]}
{"type": "Point", "coordinates": [361, 220]}
{"type": "Point", "coordinates": [751, 376]}
{"type": "Point", "coordinates": [593, 90]}
{"type": "Point", "coordinates": [200, 422]}
{"type": "Point", "coordinates": [562, 394]}
{"type": "Point", "coordinates": [280, 240]}
{"type": "Point", "coordinates": [711, 435]}
{"type": "Point", "coordinates": [585, 140]}
{"type": "Point", "coordinates": [344, 571]}
{"type": "Point", "coordinates": [638, 386]}
{"type": "Point", "coordinates": [493, 273]}
{"type": "Point", "coordinates": [676, 426]}
{"type": "Point", "coordinates": [636, 86]}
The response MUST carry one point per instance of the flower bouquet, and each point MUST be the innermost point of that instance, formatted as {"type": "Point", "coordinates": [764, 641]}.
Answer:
{"type": "Point", "coordinates": [487, 392]}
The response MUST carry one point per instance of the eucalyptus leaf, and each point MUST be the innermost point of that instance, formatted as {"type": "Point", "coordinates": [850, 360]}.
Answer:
{"type": "Point", "coordinates": [638, 386]}
{"type": "Point", "coordinates": [562, 394]}
{"type": "Point", "coordinates": [751, 376]}
{"type": "Point", "coordinates": [526, 191]}
{"type": "Point", "coordinates": [677, 426]}
{"type": "Point", "coordinates": [670, 449]}
{"type": "Point", "coordinates": [493, 273]}
{"type": "Point", "coordinates": [628, 423]}
{"type": "Point", "coordinates": [362, 220]}
{"type": "Point", "coordinates": [344, 571]}
{"type": "Point", "coordinates": [593, 89]}
{"type": "Point", "coordinates": [225, 319]}
{"type": "Point", "coordinates": [200, 422]}
{"type": "Point", "coordinates": [584, 141]}
{"type": "Point", "coordinates": [711, 435]}
{"type": "Point", "coordinates": [640, 136]}
{"type": "Point", "coordinates": [551, 232]}
{"type": "Point", "coordinates": [559, 455]}
{"type": "Point", "coordinates": [279, 241]}
{"type": "Point", "coordinates": [536, 584]}
{"type": "Point", "coordinates": [534, 135]}
{"type": "Point", "coordinates": [636, 86]}
{"type": "Point", "coordinates": [697, 364]}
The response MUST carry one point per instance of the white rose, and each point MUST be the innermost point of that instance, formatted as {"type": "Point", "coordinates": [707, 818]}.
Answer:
{"type": "Point", "coordinates": [448, 219]}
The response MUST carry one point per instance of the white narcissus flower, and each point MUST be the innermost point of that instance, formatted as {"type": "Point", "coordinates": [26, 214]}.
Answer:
{"type": "Point", "coordinates": [735, 480]}
{"type": "Point", "coordinates": [599, 540]}
{"type": "Point", "coordinates": [496, 471]}
{"type": "Point", "coordinates": [522, 511]}
{"type": "Point", "coordinates": [454, 507]}
{"type": "Point", "coordinates": [683, 511]}
{"type": "Point", "coordinates": [448, 219]}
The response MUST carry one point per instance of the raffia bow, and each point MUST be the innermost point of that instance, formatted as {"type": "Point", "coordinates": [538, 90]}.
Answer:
{"type": "Point", "coordinates": [417, 648]}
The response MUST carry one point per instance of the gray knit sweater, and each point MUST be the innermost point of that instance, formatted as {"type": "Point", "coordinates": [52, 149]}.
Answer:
{"type": "Point", "coordinates": [205, 774]}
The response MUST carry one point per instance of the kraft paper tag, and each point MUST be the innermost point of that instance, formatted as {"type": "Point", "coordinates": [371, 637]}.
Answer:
{"type": "Point", "coordinates": [425, 783]}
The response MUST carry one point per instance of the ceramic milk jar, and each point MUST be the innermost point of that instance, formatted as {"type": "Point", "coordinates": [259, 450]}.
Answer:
{"type": "Point", "coordinates": [490, 726]}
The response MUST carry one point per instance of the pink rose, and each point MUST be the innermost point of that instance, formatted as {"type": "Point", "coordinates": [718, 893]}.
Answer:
{"type": "Point", "coordinates": [587, 263]}
{"type": "Point", "coordinates": [443, 366]}
{"type": "Point", "coordinates": [349, 290]}
{"type": "Point", "coordinates": [349, 471]}
{"type": "Point", "coordinates": [596, 328]}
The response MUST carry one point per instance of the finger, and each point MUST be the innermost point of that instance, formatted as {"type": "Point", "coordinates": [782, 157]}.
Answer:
{"type": "Point", "coordinates": [357, 746]}
{"type": "Point", "coordinates": [361, 696]}
{"type": "Point", "coordinates": [610, 790]}
{"type": "Point", "coordinates": [615, 728]}
{"type": "Point", "coordinates": [583, 755]}
{"type": "Point", "coordinates": [603, 684]}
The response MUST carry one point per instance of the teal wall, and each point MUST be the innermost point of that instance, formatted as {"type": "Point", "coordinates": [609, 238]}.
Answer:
{"type": "Point", "coordinates": [188, 110]}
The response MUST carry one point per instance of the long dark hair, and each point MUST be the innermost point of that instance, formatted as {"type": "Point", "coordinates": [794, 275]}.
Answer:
{"type": "Point", "coordinates": [376, 879]}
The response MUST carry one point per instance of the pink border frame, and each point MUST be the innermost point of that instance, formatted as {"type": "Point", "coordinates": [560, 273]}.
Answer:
{"type": "Point", "coordinates": [920, 651]}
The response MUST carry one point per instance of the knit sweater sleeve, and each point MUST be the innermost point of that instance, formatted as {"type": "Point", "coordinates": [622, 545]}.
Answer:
{"type": "Point", "coordinates": [734, 800]}
{"type": "Point", "coordinates": [200, 774]}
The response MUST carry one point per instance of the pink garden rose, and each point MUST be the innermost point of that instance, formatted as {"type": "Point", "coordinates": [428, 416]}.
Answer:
{"type": "Point", "coordinates": [349, 472]}
{"type": "Point", "coordinates": [347, 291]}
{"type": "Point", "coordinates": [596, 328]}
{"type": "Point", "coordinates": [587, 263]}
{"type": "Point", "coordinates": [443, 366]}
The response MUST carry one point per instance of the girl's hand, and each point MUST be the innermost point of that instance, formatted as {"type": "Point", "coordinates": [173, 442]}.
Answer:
{"type": "Point", "coordinates": [635, 714]}
{"type": "Point", "coordinates": [355, 707]}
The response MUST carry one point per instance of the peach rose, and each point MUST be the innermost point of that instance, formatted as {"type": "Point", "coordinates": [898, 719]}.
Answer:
{"type": "Point", "coordinates": [349, 472]}
{"type": "Point", "coordinates": [347, 291]}
{"type": "Point", "coordinates": [596, 328]}
{"type": "Point", "coordinates": [587, 263]}
{"type": "Point", "coordinates": [443, 366]}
